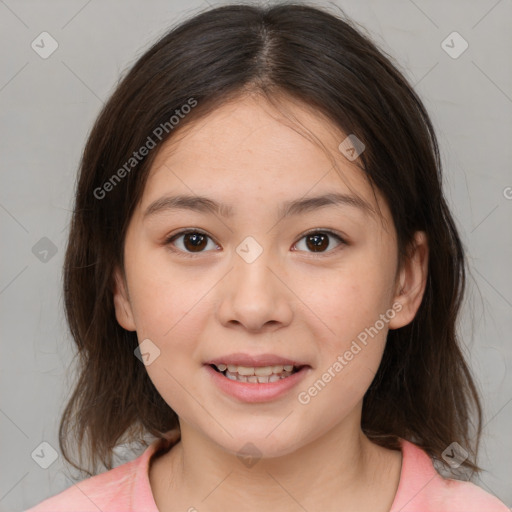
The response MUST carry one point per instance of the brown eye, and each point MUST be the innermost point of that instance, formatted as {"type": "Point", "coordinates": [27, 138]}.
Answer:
{"type": "Point", "coordinates": [319, 241]}
{"type": "Point", "coordinates": [194, 241]}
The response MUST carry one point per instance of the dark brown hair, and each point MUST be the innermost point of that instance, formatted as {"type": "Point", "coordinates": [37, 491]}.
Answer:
{"type": "Point", "coordinates": [423, 390]}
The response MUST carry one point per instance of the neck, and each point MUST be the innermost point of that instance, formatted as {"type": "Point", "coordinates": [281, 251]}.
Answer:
{"type": "Point", "coordinates": [338, 467]}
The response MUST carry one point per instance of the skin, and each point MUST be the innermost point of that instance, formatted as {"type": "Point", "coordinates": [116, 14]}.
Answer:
{"type": "Point", "coordinates": [294, 303]}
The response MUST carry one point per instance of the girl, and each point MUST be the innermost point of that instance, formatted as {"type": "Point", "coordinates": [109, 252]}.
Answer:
{"type": "Point", "coordinates": [263, 279]}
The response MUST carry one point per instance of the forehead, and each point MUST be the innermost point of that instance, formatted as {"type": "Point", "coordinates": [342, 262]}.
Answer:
{"type": "Point", "coordinates": [246, 150]}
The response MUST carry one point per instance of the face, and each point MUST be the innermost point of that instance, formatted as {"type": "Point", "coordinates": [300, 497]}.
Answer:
{"type": "Point", "coordinates": [315, 289]}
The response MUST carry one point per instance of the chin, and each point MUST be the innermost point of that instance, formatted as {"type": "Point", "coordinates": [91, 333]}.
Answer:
{"type": "Point", "coordinates": [259, 442]}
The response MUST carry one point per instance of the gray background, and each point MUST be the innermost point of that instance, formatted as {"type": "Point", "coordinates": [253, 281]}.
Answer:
{"type": "Point", "coordinates": [48, 106]}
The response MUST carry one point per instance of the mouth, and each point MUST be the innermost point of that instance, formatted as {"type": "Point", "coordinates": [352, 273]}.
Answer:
{"type": "Point", "coordinates": [256, 374]}
{"type": "Point", "coordinates": [256, 378]}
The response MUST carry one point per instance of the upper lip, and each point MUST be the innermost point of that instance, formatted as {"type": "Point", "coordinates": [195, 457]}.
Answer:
{"type": "Point", "coordinates": [248, 360]}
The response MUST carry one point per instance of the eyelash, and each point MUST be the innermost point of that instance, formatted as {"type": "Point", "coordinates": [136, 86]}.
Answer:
{"type": "Point", "coordinates": [168, 241]}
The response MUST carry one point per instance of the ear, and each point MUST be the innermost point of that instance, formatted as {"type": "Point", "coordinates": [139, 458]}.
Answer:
{"type": "Point", "coordinates": [411, 282]}
{"type": "Point", "coordinates": [122, 304]}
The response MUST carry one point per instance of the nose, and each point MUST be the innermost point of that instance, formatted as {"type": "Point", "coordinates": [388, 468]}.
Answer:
{"type": "Point", "coordinates": [255, 297]}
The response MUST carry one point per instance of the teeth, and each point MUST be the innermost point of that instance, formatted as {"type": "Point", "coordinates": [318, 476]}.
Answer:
{"type": "Point", "coordinates": [264, 371]}
{"type": "Point", "coordinates": [262, 379]}
{"type": "Point", "coordinates": [243, 370]}
{"type": "Point", "coordinates": [259, 371]}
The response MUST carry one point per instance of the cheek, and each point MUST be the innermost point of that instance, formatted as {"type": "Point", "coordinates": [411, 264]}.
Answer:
{"type": "Point", "coordinates": [164, 296]}
{"type": "Point", "coordinates": [171, 309]}
{"type": "Point", "coordinates": [349, 358]}
{"type": "Point", "coordinates": [351, 346]}
{"type": "Point", "coordinates": [349, 301]}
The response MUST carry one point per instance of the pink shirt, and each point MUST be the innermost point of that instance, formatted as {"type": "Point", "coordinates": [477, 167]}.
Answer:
{"type": "Point", "coordinates": [126, 488]}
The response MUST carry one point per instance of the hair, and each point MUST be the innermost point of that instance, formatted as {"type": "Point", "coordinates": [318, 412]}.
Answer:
{"type": "Point", "coordinates": [423, 391]}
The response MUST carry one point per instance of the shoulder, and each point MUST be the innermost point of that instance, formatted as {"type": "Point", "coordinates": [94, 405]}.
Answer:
{"type": "Point", "coordinates": [125, 487]}
{"type": "Point", "coordinates": [95, 493]}
{"type": "Point", "coordinates": [422, 488]}
{"type": "Point", "coordinates": [466, 496]}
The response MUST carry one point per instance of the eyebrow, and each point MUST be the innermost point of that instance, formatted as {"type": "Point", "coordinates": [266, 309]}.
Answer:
{"type": "Point", "coordinates": [300, 206]}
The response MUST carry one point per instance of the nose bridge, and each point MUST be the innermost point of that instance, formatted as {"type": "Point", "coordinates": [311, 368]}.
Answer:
{"type": "Point", "coordinates": [252, 273]}
{"type": "Point", "coordinates": [253, 295]}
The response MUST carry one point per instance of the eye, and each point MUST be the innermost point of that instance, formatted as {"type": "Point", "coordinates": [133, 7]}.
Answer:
{"type": "Point", "coordinates": [195, 241]}
{"type": "Point", "coordinates": [318, 240]}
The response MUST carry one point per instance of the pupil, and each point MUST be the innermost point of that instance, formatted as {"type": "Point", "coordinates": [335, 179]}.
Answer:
{"type": "Point", "coordinates": [319, 242]}
{"type": "Point", "coordinates": [196, 239]}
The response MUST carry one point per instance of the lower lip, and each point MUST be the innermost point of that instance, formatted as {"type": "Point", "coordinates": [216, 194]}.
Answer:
{"type": "Point", "coordinates": [256, 392]}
